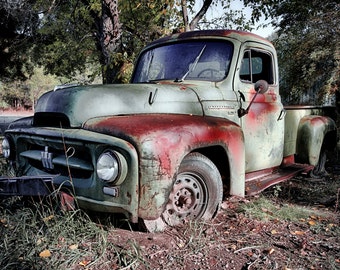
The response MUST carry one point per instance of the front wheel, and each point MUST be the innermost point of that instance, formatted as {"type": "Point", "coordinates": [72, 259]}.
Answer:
{"type": "Point", "coordinates": [196, 193]}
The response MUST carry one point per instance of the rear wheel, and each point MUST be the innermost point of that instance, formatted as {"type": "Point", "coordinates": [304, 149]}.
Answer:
{"type": "Point", "coordinates": [196, 194]}
{"type": "Point", "coordinates": [319, 170]}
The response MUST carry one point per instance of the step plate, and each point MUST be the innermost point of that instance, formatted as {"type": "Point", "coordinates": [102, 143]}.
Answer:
{"type": "Point", "coordinates": [261, 182]}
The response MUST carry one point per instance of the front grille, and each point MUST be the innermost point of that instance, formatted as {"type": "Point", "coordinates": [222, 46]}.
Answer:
{"type": "Point", "coordinates": [54, 157]}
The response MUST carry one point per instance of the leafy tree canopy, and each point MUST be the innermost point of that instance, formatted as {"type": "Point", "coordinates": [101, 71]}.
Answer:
{"type": "Point", "coordinates": [308, 47]}
{"type": "Point", "coordinates": [17, 25]}
{"type": "Point", "coordinates": [66, 36]}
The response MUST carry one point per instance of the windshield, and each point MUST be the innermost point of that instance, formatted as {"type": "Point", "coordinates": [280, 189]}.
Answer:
{"type": "Point", "coordinates": [194, 60]}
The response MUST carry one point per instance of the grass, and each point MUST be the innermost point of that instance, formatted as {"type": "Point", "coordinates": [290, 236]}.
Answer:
{"type": "Point", "coordinates": [35, 236]}
{"type": "Point", "coordinates": [264, 209]}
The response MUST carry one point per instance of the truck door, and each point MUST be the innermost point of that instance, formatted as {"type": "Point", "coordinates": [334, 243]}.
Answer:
{"type": "Point", "coordinates": [263, 125]}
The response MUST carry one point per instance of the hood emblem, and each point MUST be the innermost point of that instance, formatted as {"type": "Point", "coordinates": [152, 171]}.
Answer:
{"type": "Point", "coordinates": [46, 159]}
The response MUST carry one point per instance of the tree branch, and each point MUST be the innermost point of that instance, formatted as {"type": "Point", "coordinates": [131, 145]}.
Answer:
{"type": "Point", "coordinates": [200, 14]}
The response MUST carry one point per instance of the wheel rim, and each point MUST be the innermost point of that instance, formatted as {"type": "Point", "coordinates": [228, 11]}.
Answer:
{"type": "Point", "coordinates": [187, 200]}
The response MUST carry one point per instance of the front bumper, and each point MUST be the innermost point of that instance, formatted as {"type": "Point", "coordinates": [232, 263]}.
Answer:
{"type": "Point", "coordinates": [26, 186]}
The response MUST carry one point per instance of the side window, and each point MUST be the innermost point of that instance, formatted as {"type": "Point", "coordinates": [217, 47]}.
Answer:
{"type": "Point", "coordinates": [257, 65]}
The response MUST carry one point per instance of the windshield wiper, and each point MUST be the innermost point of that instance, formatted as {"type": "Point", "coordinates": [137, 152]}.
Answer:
{"type": "Point", "coordinates": [194, 64]}
{"type": "Point", "coordinates": [149, 64]}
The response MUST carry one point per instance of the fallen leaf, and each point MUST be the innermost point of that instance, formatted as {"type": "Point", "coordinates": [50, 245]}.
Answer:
{"type": "Point", "coordinates": [297, 233]}
{"type": "Point", "coordinates": [84, 263]}
{"type": "Point", "coordinates": [39, 241]}
{"type": "Point", "coordinates": [3, 221]}
{"type": "Point", "coordinates": [180, 244]}
{"type": "Point", "coordinates": [233, 246]}
{"type": "Point", "coordinates": [45, 219]}
{"type": "Point", "coordinates": [311, 222]}
{"type": "Point", "coordinates": [45, 254]}
{"type": "Point", "coordinates": [273, 231]}
{"type": "Point", "coordinates": [270, 251]}
{"type": "Point", "coordinates": [73, 247]}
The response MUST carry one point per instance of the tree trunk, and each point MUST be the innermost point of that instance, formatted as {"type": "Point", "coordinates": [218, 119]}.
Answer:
{"type": "Point", "coordinates": [110, 39]}
{"type": "Point", "coordinates": [200, 14]}
{"type": "Point", "coordinates": [185, 15]}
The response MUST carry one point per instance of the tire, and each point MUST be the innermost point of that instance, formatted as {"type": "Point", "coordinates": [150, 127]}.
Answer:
{"type": "Point", "coordinates": [196, 194]}
{"type": "Point", "coordinates": [319, 170]}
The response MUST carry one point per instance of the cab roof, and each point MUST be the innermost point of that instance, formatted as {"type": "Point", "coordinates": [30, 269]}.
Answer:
{"type": "Point", "coordinates": [241, 36]}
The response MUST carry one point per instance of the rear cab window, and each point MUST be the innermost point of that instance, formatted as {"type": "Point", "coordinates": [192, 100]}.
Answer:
{"type": "Point", "coordinates": [257, 65]}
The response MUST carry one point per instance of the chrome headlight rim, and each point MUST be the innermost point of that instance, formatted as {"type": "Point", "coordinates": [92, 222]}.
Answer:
{"type": "Point", "coordinates": [111, 167]}
{"type": "Point", "coordinates": [6, 148]}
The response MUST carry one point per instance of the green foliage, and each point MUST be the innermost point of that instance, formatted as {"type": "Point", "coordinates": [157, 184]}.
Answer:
{"type": "Point", "coordinates": [16, 94]}
{"type": "Point", "coordinates": [21, 94]}
{"type": "Point", "coordinates": [309, 65]}
{"type": "Point", "coordinates": [58, 35]}
{"type": "Point", "coordinates": [18, 23]}
{"type": "Point", "coordinates": [308, 47]}
{"type": "Point", "coordinates": [65, 37]}
{"type": "Point", "coordinates": [65, 40]}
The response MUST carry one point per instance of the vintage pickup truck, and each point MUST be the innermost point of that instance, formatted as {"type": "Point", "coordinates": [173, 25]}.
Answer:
{"type": "Point", "coordinates": [201, 119]}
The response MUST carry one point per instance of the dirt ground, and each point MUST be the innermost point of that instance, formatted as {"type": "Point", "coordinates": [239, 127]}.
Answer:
{"type": "Point", "coordinates": [235, 240]}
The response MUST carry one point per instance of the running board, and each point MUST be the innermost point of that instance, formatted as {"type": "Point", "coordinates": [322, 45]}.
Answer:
{"type": "Point", "coordinates": [259, 181]}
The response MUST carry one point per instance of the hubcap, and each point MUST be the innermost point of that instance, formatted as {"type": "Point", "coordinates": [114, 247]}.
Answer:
{"type": "Point", "coordinates": [187, 200]}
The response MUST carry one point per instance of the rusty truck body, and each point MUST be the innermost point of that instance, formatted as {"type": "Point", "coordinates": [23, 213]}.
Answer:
{"type": "Point", "coordinates": [202, 114]}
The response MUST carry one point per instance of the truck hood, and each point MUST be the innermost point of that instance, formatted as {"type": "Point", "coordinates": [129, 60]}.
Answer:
{"type": "Point", "coordinates": [74, 105]}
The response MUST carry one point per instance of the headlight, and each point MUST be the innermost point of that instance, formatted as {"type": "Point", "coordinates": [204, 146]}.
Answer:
{"type": "Point", "coordinates": [6, 148]}
{"type": "Point", "coordinates": [112, 167]}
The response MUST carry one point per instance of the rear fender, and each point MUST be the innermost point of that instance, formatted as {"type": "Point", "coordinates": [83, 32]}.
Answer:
{"type": "Point", "coordinates": [163, 140]}
{"type": "Point", "coordinates": [311, 133]}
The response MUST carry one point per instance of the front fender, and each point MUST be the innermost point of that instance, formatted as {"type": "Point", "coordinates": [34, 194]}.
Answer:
{"type": "Point", "coordinates": [163, 140]}
{"type": "Point", "coordinates": [311, 132]}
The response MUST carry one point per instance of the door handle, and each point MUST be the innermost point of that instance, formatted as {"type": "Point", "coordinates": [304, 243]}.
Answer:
{"type": "Point", "coordinates": [282, 114]}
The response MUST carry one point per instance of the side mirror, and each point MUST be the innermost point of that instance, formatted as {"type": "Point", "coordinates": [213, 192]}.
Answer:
{"type": "Point", "coordinates": [261, 87]}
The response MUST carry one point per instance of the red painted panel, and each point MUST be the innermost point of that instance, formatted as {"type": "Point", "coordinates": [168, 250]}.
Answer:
{"type": "Point", "coordinates": [162, 141]}
{"type": "Point", "coordinates": [168, 137]}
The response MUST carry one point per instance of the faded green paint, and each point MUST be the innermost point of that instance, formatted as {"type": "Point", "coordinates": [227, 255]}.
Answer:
{"type": "Point", "coordinates": [310, 137]}
{"type": "Point", "coordinates": [305, 130]}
